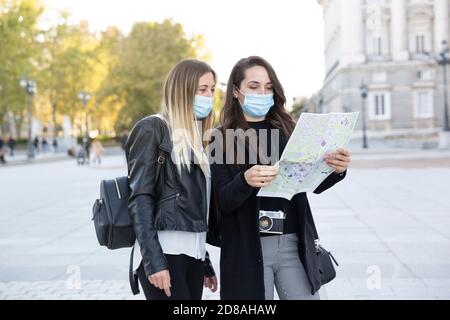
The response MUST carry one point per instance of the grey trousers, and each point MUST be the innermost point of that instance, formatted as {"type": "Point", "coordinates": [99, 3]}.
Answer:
{"type": "Point", "coordinates": [284, 270]}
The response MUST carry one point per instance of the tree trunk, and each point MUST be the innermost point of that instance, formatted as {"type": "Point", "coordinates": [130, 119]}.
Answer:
{"type": "Point", "coordinates": [20, 118]}
{"type": "Point", "coordinates": [55, 125]}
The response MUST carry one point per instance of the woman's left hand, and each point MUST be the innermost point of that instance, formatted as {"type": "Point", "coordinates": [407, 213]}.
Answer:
{"type": "Point", "coordinates": [211, 283]}
{"type": "Point", "coordinates": [338, 160]}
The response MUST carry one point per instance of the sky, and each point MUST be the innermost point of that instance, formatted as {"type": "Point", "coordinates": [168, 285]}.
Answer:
{"type": "Point", "coordinates": [287, 33]}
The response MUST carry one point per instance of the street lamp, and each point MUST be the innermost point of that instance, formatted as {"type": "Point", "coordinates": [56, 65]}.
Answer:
{"type": "Point", "coordinates": [320, 102]}
{"type": "Point", "coordinates": [444, 59]}
{"type": "Point", "coordinates": [85, 97]}
{"type": "Point", "coordinates": [364, 92]}
{"type": "Point", "coordinates": [30, 88]}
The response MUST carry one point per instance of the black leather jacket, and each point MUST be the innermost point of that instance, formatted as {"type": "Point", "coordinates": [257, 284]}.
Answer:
{"type": "Point", "coordinates": [161, 199]}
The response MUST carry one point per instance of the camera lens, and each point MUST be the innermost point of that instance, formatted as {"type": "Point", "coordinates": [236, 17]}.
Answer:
{"type": "Point", "coordinates": [265, 223]}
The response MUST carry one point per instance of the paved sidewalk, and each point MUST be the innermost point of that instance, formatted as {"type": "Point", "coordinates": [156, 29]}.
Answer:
{"type": "Point", "coordinates": [388, 227]}
{"type": "Point", "coordinates": [20, 156]}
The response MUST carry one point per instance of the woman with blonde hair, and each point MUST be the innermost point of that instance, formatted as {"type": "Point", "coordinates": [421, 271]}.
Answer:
{"type": "Point", "coordinates": [171, 200]}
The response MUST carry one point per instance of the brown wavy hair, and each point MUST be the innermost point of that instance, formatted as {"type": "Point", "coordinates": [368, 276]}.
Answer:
{"type": "Point", "coordinates": [232, 115]}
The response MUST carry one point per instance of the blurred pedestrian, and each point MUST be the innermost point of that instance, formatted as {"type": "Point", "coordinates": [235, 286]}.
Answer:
{"type": "Point", "coordinates": [97, 151]}
{"type": "Point", "coordinates": [36, 144]}
{"type": "Point", "coordinates": [55, 145]}
{"type": "Point", "coordinates": [45, 146]}
{"type": "Point", "coordinates": [2, 151]}
{"type": "Point", "coordinates": [81, 154]}
{"type": "Point", "coordinates": [11, 145]}
{"type": "Point", "coordinates": [72, 151]}
{"type": "Point", "coordinates": [87, 150]}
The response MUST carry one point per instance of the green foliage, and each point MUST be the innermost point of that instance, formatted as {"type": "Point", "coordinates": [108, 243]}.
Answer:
{"type": "Point", "coordinates": [298, 108]}
{"type": "Point", "coordinates": [19, 50]}
{"type": "Point", "coordinates": [123, 73]}
{"type": "Point", "coordinates": [144, 58]}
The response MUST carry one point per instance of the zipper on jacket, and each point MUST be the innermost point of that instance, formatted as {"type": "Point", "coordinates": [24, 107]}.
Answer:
{"type": "Point", "coordinates": [205, 199]}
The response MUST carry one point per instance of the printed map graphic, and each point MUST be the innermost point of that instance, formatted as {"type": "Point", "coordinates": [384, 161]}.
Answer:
{"type": "Point", "coordinates": [302, 167]}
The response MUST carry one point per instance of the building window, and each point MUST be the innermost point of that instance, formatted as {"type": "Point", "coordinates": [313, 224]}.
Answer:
{"type": "Point", "coordinates": [380, 105]}
{"type": "Point", "coordinates": [420, 44]}
{"type": "Point", "coordinates": [424, 104]}
{"type": "Point", "coordinates": [379, 77]}
{"type": "Point", "coordinates": [377, 46]}
{"type": "Point", "coordinates": [424, 75]}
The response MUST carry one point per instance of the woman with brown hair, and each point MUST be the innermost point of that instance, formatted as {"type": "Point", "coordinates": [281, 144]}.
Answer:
{"type": "Point", "coordinates": [254, 262]}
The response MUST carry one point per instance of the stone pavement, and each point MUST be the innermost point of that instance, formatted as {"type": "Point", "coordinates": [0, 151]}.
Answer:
{"type": "Point", "coordinates": [20, 156]}
{"type": "Point", "coordinates": [387, 224]}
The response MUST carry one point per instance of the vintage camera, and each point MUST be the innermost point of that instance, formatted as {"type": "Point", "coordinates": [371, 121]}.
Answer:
{"type": "Point", "coordinates": [271, 221]}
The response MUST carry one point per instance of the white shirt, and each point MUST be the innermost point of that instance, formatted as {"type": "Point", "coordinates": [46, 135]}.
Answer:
{"type": "Point", "coordinates": [192, 244]}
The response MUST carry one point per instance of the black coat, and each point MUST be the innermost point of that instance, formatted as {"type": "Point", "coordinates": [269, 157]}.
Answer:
{"type": "Point", "coordinates": [241, 261]}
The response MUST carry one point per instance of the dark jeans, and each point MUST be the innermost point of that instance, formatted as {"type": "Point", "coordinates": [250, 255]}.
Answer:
{"type": "Point", "coordinates": [186, 279]}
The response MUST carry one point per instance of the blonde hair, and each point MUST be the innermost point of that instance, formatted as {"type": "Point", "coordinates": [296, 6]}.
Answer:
{"type": "Point", "coordinates": [178, 110]}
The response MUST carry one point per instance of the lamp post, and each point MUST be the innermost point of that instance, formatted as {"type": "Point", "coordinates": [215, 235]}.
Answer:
{"type": "Point", "coordinates": [444, 59]}
{"type": "Point", "coordinates": [85, 97]}
{"type": "Point", "coordinates": [364, 92]}
{"type": "Point", "coordinates": [30, 88]}
{"type": "Point", "coordinates": [320, 102]}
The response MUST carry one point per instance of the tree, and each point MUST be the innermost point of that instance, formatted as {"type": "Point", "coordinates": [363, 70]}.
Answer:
{"type": "Point", "coordinates": [69, 66]}
{"type": "Point", "coordinates": [145, 57]}
{"type": "Point", "coordinates": [124, 74]}
{"type": "Point", "coordinates": [298, 107]}
{"type": "Point", "coordinates": [19, 52]}
{"type": "Point", "coordinates": [106, 111]}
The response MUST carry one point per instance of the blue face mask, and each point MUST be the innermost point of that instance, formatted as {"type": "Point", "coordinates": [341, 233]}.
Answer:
{"type": "Point", "coordinates": [203, 106]}
{"type": "Point", "coordinates": [258, 105]}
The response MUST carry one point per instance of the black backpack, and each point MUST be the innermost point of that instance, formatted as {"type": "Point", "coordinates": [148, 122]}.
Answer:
{"type": "Point", "coordinates": [112, 221]}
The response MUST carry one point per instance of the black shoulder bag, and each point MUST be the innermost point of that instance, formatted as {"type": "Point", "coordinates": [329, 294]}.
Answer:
{"type": "Point", "coordinates": [326, 267]}
{"type": "Point", "coordinates": [326, 259]}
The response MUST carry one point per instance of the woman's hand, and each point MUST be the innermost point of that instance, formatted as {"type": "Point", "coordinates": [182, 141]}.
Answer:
{"type": "Point", "coordinates": [211, 283]}
{"type": "Point", "coordinates": [338, 160]}
{"type": "Point", "coordinates": [161, 280]}
{"type": "Point", "coordinates": [260, 176]}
